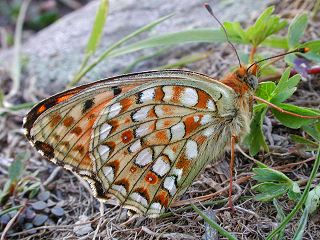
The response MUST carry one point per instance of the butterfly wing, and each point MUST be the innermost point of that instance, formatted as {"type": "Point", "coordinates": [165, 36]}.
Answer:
{"type": "Point", "coordinates": [142, 137]}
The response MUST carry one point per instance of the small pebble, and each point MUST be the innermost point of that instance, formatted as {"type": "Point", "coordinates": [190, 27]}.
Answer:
{"type": "Point", "coordinates": [40, 205]}
{"type": "Point", "coordinates": [5, 218]}
{"type": "Point", "coordinates": [43, 196]}
{"type": "Point", "coordinates": [82, 229]}
{"type": "Point", "coordinates": [21, 218]}
{"type": "Point", "coordinates": [57, 211]}
{"type": "Point", "coordinates": [39, 220]}
{"type": "Point", "coordinates": [28, 226]}
{"type": "Point", "coordinates": [30, 214]}
{"type": "Point", "coordinates": [51, 203]}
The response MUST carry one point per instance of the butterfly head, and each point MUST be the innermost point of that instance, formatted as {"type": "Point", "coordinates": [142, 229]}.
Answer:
{"type": "Point", "coordinates": [242, 80]}
{"type": "Point", "coordinates": [248, 76]}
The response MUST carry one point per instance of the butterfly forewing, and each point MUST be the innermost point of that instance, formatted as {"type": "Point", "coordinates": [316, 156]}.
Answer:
{"type": "Point", "coordinates": [143, 143]}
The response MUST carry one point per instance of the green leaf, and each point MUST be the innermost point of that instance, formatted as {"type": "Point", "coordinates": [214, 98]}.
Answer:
{"type": "Point", "coordinates": [16, 167]}
{"type": "Point", "coordinates": [255, 139]}
{"type": "Point", "coordinates": [98, 25]}
{"type": "Point", "coordinates": [213, 224]}
{"type": "Point", "coordinates": [294, 192]}
{"type": "Point", "coordinates": [301, 201]}
{"type": "Point", "coordinates": [269, 191]}
{"type": "Point", "coordinates": [285, 88]}
{"type": "Point", "coordinates": [296, 29]}
{"type": "Point", "coordinates": [314, 45]}
{"type": "Point", "coordinates": [265, 26]}
{"type": "Point", "coordinates": [291, 121]}
{"type": "Point", "coordinates": [265, 90]}
{"type": "Point", "coordinates": [271, 175]}
{"type": "Point", "coordinates": [308, 144]}
{"type": "Point", "coordinates": [313, 131]}
{"type": "Point", "coordinates": [235, 31]}
{"type": "Point", "coordinates": [313, 200]}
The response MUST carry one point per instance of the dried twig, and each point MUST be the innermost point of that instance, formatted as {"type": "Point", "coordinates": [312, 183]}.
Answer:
{"type": "Point", "coordinates": [11, 222]}
{"type": "Point", "coordinates": [52, 176]}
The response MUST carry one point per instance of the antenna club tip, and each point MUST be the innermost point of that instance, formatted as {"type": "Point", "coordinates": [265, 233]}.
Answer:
{"type": "Point", "coordinates": [306, 49]}
{"type": "Point", "coordinates": [209, 9]}
{"type": "Point", "coordinates": [303, 50]}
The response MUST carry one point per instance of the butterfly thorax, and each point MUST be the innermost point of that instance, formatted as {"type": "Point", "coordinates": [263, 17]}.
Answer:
{"type": "Point", "coordinates": [244, 83]}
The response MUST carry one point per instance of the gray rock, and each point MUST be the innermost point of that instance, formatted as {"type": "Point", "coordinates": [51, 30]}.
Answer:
{"type": "Point", "coordinates": [55, 53]}
{"type": "Point", "coordinates": [39, 205]}
{"type": "Point", "coordinates": [39, 220]}
{"type": "Point", "coordinates": [43, 196]}
{"type": "Point", "coordinates": [57, 211]}
{"type": "Point", "coordinates": [83, 229]}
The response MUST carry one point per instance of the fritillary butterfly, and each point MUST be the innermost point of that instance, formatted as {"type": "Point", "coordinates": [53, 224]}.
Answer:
{"type": "Point", "coordinates": [144, 137]}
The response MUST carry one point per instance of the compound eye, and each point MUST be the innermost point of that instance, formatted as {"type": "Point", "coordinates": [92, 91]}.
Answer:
{"type": "Point", "coordinates": [252, 81]}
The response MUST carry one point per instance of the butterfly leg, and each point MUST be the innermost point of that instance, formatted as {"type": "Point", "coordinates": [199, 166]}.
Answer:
{"type": "Point", "coordinates": [233, 143]}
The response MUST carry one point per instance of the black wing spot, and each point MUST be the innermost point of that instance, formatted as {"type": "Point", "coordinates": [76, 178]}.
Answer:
{"type": "Point", "coordinates": [116, 90]}
{"type": "Point", "coordinates": [87, 105]}
{"type": "Point", "coordinates": [99, 188]}
{"type": "Point", "coordinates": [139, 95]}
{"type": "Point", "coordinates": [47, 149]}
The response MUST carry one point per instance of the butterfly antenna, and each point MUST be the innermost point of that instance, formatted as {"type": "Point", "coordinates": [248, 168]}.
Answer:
{"type": "Point", "coordinates": [207, 6]}
{"type": "Point", "coordinates": [298, 50]}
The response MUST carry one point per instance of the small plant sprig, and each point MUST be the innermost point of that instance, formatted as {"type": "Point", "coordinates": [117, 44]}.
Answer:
{"type": "Point", "coordinates": [16, 183]}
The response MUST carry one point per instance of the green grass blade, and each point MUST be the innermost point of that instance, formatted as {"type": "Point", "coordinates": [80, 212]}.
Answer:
{"type": "Point", "coordinates": [106, 53]}
{"type": "Point", "coordinates": [10, 209]}
{"type": "Point", "coordinates": [302, 200]}
{"type": "Point", "coordinates": [181, 37]}
{"type": "Point", "coordinates": [16, 65]}
{"type": "Point", "coordinates": [96, 33]}
{"type": "Point", "coordinates": [98, 25]}
{"type": "Point", "coordinates": [203, 35]}
{"type": "Point", "coordinates": [280, 216]}
{"type": "Point", "coordinates": [302, 225]}
{"type": "Point", "coordinates": [185, 60]}
{"type": "Point", "coordinates": [213, 224]}
{"type": "Point", "coordinates": [143, 58]}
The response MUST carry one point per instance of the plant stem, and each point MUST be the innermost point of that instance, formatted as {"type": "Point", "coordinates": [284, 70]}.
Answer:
{"type": "Point", "coordinates": [301, 201]}
{"type": "Point", "coordinates": [252, 53]}
{"type": "Point", "coordinates": [315, 9]}
{"type": "Point", "coordinates": [16, 66]}
{"type": "Point", "coordinates": [213, 224]}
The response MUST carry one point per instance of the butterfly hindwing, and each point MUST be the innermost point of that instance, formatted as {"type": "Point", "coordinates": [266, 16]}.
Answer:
{"type": "Point", "coordinates": [145, 144]}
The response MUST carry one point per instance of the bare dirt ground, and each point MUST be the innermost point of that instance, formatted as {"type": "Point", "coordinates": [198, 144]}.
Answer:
{"type": "Point", "coordinates": [76, 213]}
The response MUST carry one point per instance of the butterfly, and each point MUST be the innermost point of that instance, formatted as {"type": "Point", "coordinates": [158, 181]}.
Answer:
{"type": "Point", "coordinates": [144, 137]}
